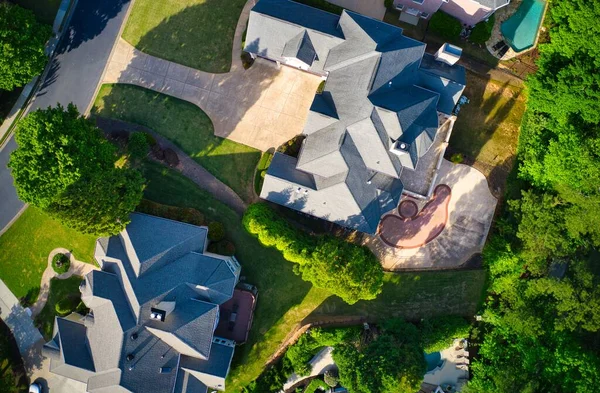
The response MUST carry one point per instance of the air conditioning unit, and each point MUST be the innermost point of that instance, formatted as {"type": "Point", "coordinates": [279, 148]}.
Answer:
{"type": "Point", "coordinates": [400, 7]}
{"type": "Point", "coordinates": [424, 15]}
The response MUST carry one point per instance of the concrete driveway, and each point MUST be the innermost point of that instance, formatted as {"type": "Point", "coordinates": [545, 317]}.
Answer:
{"type": "Point", "coordinates": [19, 322]}
{"type": "Point", "coordinates": [261, 107]}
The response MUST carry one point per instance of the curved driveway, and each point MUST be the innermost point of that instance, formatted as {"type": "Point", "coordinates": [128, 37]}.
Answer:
{"type": "Point", "coordinates": [75, 71]}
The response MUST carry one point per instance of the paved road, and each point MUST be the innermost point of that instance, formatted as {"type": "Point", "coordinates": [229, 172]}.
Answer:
{"type": "Point", "coordinates": [74, 74]}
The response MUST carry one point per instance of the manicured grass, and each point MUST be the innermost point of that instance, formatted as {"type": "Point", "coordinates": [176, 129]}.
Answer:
{"type": "Point", "coordinates": [59, 290]}
{"type": "Point", "coordinates": [285, 300]}
{"type": "Point", "coordinates": [187, 126]}
{"type": "Point", "coordinates": [196, 33]}
{"type": "Point", "coordinates": [26, 245]}
{"type": "Point", "coordinates": [487, 128]}
{"type": "Point", "coordinates": [261, 170]}
{"type": "Point", "coordinates": [44, 10]}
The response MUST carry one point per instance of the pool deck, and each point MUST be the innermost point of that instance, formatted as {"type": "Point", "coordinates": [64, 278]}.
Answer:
{"type": "Point", "coordinates": [454, 370]}
{"type": "Point", "coordinates": [503, 14]}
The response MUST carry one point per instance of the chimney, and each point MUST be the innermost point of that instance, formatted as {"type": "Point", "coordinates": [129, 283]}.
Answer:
{"type": "Point", "coordinates": [161, 310]}
{"type": "Point", "coordinates": [448, 54]}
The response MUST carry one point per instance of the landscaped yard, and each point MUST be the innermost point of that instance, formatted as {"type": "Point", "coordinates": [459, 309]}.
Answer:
{"type": "Point", "coordinates": [196, 33]}
{"type": "Point", "coordinates": [25, 247]}
{"type": "Point", "coordinates": [285, 300]}
{"type": "Point", "coordinates": [487, 128]}
{"type": "Point", "coordinates": [187, 126]}
{"type": "Point", "coordinates": [64, 291]}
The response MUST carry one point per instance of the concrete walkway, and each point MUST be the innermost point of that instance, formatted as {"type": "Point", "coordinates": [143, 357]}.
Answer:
{"type": "Point", "coordinates": [470, 213]}
{"type": "Point", "coordinates": [77, 268]}
{"type": "Point", "coordinates": [187, 166]}
{"type": "Point", "coordinates": [321, 362]}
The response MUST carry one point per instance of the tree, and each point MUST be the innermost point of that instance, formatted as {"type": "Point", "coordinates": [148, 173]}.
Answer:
{"type": "Point", "coordinates": [64, 166]}
{"type": "Point", "coordinates": [392, 363]}
{"type": "Point", "coordinates": [22, 51]}
{"type": "Point", "coordinates": [444, 25]}
{"type": "Point", "coordinates": [347, 270]}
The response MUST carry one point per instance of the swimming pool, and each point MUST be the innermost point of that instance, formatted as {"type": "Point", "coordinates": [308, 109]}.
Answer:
{"type": "Point", "coordinates": [433, 360]}
{"type": "Point", "coordinates": [520, 30]}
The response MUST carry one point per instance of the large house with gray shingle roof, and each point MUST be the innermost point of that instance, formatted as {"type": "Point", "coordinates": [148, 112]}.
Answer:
{"type": "Point", "coordinates": [381, 124]}
{"type": "Point", "coordinates": [154, 308]}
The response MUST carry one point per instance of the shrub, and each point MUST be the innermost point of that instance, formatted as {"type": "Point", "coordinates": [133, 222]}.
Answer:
{"type": "Point", "coordinates": [439, 333]}
{"type": "Point", "coordinates": [150, 139]}
{"type": "Point", "coordinates": [60, 263]}
{"type": "Point", "coordinates": [184, 214]}
{"type": "Point", "coordinates": [323, 5]}
{"type": "Point", "coordinates": [331, 378]}
{"type": "Point", "coordinates": [138, 145]}
{"type": "Point", "coordinates": [216, 231]}
{"type": "Point", "coordinates": [292, 147]}
{"type": "Point", "coordinates": [66, 305]}
{"type": "Point", "coordinates": [30, 297]}
{"type": "Point", "coordinates": [347, 270]}
{"type": "Point", "coordinates": [482, 31]}
{"type": "Point", "coordinates": [389, 4]}
{"type": "Point", "coordinates": [445, 26]}
{"type": "Point", "coordinates": [224, 247]}
{"type": "Point", "coordinates": [271, 380]}
{"type": "Point", "coordinates": [158, 152]}
{"type": "Point", "coordinates": [316, 386]}
{"type": "Point", "coordinates": [321, 87]}
{"type": "Point", "coordinates": [457, 158]}
{"type": "Point", "coordinates": [171, 157]}
{"type": "Point", "coordinates": [261, 170]}
{"type": "Point", "coordinates": [247, 60]}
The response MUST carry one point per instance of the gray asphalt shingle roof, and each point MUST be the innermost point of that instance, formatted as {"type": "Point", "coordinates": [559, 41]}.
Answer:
{"type": "Point", "coordinates": [381, 88]}
{"type": "Point", "coordinates": [98, 349]}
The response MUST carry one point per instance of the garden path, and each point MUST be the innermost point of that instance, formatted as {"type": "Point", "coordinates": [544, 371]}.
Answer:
{"type": "Point", "coordinates": [78, 268]}
{"type": "Point", "coordinates": [187, 166]}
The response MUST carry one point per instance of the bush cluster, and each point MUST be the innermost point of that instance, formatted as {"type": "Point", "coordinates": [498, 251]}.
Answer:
{"type": "Point", "coordinates": [138, 145]}
{"type": "Point", "coordinates": [216, 231]}
{"type": "Point", "coordinates": [66, 305]}
{"type": "Point", "coordinates": [482, 31]}
{"type": "Point", "coordinates": [184, 214]}
{"type": "Point", "coordinates": [439, 333]}
{"type": "Point", "coordinates": [347, 270]}
{"type": "Point", "coordinates": [444, 25]}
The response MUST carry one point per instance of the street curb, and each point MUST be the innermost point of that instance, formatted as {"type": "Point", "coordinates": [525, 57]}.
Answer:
{"type": "Point", "coordinates": [86, 113]}
{"type": "Point", "coordinates": [15, 218]}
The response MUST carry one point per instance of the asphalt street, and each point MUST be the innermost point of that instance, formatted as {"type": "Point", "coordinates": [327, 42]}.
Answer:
{"type": "Point", "coordinates": [74, 73]}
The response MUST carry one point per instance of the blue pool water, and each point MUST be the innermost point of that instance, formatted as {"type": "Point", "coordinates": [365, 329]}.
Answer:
{"type": "Point", "coordinates": [433, 360]}
{"type": "Point", "coordinates": [520, 30]}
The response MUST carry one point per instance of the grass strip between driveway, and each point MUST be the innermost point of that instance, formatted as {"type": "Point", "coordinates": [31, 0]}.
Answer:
{"type": "Point", "coordinates": [187, 126]}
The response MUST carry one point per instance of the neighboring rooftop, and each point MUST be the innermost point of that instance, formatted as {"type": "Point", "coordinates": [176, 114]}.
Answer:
{"type": "Point", "coordinates": [154, 309]}
{"type": "Point", "coordinates": [377, 117]}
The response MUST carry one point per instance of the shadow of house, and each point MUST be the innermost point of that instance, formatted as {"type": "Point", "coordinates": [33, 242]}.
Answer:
{"type": "Point", "coordinates": [198, 36]}
{"type": "Point", "coordinates": [9, 351]}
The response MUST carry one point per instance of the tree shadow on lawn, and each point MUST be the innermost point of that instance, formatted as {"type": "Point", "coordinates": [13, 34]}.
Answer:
{"type": "Point", "coordinates": [198, 36]}
{"type": "Point", "coordinates": [484, 131]}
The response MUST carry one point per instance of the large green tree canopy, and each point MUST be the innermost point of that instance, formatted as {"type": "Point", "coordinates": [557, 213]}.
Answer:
{"type": "Point", "coordinates": [64, 166]}
{"type": "Point", "coordinates": [22, 41]}
{"type": "Point", "coordinates": [542, 315]}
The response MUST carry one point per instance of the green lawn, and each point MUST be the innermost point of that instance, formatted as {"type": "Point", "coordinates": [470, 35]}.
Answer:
{"type": "Point", "coordinates": [26, 244]}
{"type": "Point", "coordinates": [285, 300]}
{"type": "Point", "coordinates": [59, 289]}
{"type": "Point", "coordinates": [187, 126]}
{"type": "Point", "coordinates": [487, 128]}
{"type": "Point", "coordinates": [196, 33]}
{"type": "Point", "coordinates": [44, 10]}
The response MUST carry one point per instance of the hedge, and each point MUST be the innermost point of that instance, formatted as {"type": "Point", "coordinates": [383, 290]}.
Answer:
{"type": "Point", "coordinates": [183, 214]}
{"type": "Point", "coordinates": [345, 269]}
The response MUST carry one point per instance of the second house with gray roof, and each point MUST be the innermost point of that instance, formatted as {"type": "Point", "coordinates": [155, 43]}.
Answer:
{"type": "Point", "coordinates": [154, 308]}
